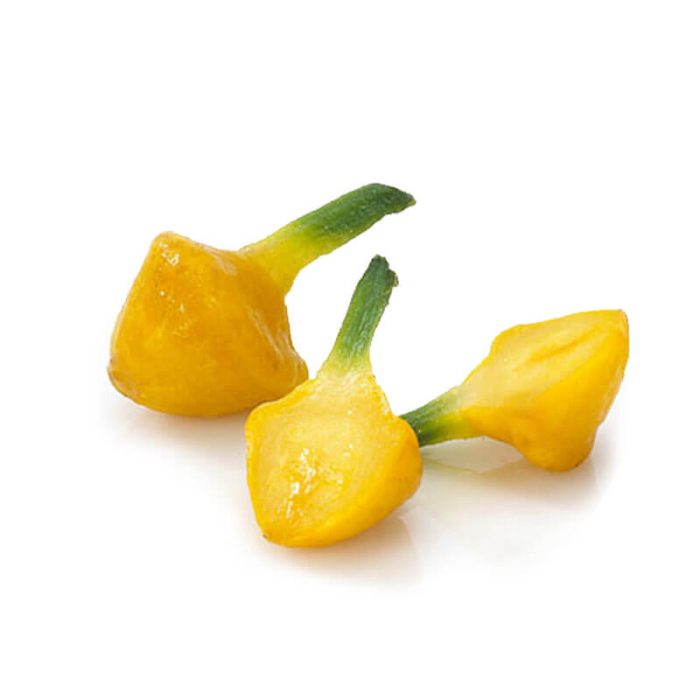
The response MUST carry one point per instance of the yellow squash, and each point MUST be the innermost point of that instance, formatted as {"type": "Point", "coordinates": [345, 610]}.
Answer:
{"type": "Point", "coordinates": [205, 332]}
{"type": "Point", "coordinates": [544, 388]}
{"type": "Point", "coordinates": [330, 459]}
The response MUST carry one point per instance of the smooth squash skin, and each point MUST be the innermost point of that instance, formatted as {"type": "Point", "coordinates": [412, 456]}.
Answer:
{"type": "Point", "coordinates": [330, 459]}
{"type": "Point", "coordinates": [544, 388]}
{"type": "Point", "coordinates": [205, 332]}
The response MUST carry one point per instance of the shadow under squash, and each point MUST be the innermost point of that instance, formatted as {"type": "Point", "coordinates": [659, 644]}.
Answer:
{"type": "Point", "coordinates": [501, 507]}
{"type": "Point", "coordinates": [384, 554]}
{"type": "Point", "coordinates": [219, 441]}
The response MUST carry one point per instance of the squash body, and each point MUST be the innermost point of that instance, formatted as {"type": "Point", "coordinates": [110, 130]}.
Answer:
{"type": "Point", "coordinates": [546, 387]}
{"type": "Point", "coordinates": [203, 332]}
{"type": "Point", "coordinates": [329, 460]}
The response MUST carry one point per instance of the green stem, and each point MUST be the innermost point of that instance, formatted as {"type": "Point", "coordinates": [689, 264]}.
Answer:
{"type": "Point", "coordinates": [288, 250]}
{"type": "Point", "coordinates": [440, 419]}
{"type": "Point", "coordinates": [371, 296]}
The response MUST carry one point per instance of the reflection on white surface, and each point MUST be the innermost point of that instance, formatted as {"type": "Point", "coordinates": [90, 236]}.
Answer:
{"type": "Point", "coordinates": [383, 554]}
{"type": "Point", "coordinates": [497, 505]}
{"type": "Point", "coordinates": [479, 455]}
{"type": "Point", "coordinates": [217, 442]}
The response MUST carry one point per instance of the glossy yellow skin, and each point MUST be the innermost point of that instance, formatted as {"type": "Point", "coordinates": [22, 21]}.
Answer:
{"type": "Point", "coordinates": [329, 460]}
{"type": "Point", "coordinates": [203, 332]}
{"type": "Point", "coordinates": [546, 387]}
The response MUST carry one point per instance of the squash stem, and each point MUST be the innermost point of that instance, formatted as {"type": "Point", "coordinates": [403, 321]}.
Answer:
{"type": "Point", "coordinates": [440, 419]}
{"type": "Point", "coordinates": [371, 296]}
{"type": "Point", "coordinates": [288, 250]}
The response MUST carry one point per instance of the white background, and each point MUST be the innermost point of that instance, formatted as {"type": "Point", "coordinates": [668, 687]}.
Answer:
{"type": "Point", "coordinates": [554, 151]}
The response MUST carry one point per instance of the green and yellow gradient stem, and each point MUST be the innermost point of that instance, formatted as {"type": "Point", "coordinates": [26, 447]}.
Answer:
{"type": "Point", "coordinates": [288, 250]}
{"type": "Point", "coordinates": [351, 349]}
{"type": "Point", "coordinates": [441, 419]}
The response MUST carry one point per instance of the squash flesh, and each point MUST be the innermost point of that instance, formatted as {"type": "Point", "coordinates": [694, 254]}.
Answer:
{"type": "Point", "coordinates": [329, 460]}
